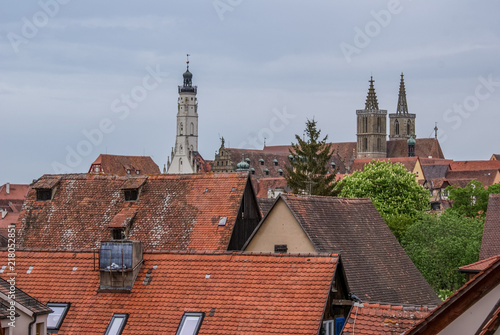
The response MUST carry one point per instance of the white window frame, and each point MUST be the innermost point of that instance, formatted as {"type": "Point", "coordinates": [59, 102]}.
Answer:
{"type": "Point", "coordinates": [124, 318]}
{"type": "Point", "coordinates": [183, 319]}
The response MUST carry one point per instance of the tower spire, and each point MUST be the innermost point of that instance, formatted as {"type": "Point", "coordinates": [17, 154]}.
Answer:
{"type": "Point", "coordinates": [402, 108]}
{"type": "Point", "coordinates": [371, 99]}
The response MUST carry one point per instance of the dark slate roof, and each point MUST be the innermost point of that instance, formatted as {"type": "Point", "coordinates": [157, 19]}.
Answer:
{"type": "Point", "coordinates": [116, 164]}
{"type": "Point", "coordinates": [490, 246]}
{"type": "Point", "coordinates": [24, 299]}
{"type": "Point", "coordinates": [459, 303]}
{"type": "Point", "coordinates": [434, 171]}
{"type": "Point", "coordinates": [173, 212]}
{"type": "Point", "coordinates": [377, 267]}
{"type": "Point", "coordinates": [265, 205]}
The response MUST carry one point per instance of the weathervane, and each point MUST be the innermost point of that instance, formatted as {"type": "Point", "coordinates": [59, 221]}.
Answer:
{"type": "Point", "coordinates": [187, 60]}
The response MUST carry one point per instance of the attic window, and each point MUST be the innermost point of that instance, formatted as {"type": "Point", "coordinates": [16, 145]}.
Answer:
{"type": "Point", "coordinates": [266, 171]}
{"type": "Point", "coordinates": [261, 161]}
{"type": "Point", "coordinates": [118, 233]}
{"type": "Point", "coordinates": [128, 171]}
{"type": "Point", "coordinates": [131, 194]}
{"type": "Point", "coordinates": [280, 248]}
{"type": "Point", "coordinates": [116, 324]}
{"type": "Point", "coordinates": [43, 194]}
{"type": "Point", "coordinates": [137, 171]}
{"type": "Point", "coordinates": [275, 161]}
{"type": "Point", "coordinates": [222, 221]}
{"type": "Point", "coordinates": [280, 172]}
{"type": "Point", "coordinates": [190, 324]}
{"type": "Point", "coordinates": [252, 170]}
{"type": "Point", "coordinates": [56, 318]}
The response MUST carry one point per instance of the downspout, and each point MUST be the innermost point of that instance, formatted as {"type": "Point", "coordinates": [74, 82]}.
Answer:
{"type": "Point", "coordinates": [31, 324]}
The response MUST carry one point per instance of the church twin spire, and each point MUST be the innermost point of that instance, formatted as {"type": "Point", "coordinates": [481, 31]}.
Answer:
{"type": "Point", "coordinates": [402, 108]}
{"type": "Point", "coordinates": [371, 99]}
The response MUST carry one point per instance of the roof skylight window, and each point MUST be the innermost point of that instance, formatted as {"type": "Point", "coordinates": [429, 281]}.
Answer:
{"type": "Point", "coordinates": [190, 324]}
{"type": "Point", "coordinates": [56, 318]}
{"type": "Point", "coordinates": [116, 324]}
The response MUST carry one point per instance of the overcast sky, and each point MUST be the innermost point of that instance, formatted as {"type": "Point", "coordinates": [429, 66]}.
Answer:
{"type": "Point", "coordinates": [81, 78]}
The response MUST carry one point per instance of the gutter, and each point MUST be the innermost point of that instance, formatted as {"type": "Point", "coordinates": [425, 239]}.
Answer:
{"type": "Point", "coordinates": [31, 324]}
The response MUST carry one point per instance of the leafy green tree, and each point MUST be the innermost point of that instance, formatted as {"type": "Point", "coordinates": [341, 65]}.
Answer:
{"type": "Point", "coordinates": [308, 168]}
{"type": "Point", "coordinates": [469, 201]}
{"type": "Point", "coordinates": [438, 245]}
{"type": "Point", "coordinates": [393, 190]}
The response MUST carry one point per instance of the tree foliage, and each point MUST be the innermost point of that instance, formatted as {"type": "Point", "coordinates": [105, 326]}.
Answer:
{"type": "Point", "coordinates": [438, 245]}
{"type": "Point", "coordinates": [309, 159]}
{"type": "Point", "coordinates": [471, 200]}
{"type": "Point", "coordinates": [393, 190]}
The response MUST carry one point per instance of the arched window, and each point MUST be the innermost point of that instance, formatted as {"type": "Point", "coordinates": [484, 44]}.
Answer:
{"type": "Point", "coordinates": [192, 128]}
{"type": "Point", "coordinates": [397, 126]}
{"type": "Point", "coordinates": [365, 124]}
{"type": "Point", "coordinates": [379, 125]}
{"type": "Point", "coordinates": [181, 128]}
{"type": "Point", "coordinates": [180, 164]}
{"type": "Point", "coordinates": [379, 145]}
{"type": "Point", "coordinates": [408, 127]}
{"type": "Point", "coordinates": [180, 149]}
{"type": "Point", "coordinates": [365, 144]}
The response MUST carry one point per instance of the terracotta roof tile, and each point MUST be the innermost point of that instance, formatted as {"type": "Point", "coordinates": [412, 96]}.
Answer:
{"type": "Point", "coordinates": [459, 177]}
{"type": "Point", "coordinates": [263, 185]}
{"type": "Point", "coordinates": [479, 265]}
{"type": "Point", "coordinates": [239, 293]}
{"type": "Point", "coordinates": [118, 165]}
{"type": "Point", "coordinates": [376, 266]}
{"type": "Point", "coordinates": [370, 318]}
{"type": "Point", "coordinates": [474, 165]}
{"type": "Point", "coordinates": [408, 162]}
{"type": "Point", "coordinates": [425, 147]}
{"type": "Point", "coordinates": [490, 245]}
{"type": "Point", "coordinates": [173, 212]}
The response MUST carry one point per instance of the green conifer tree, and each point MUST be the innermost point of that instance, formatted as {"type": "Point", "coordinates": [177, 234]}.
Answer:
{"type": "Point", "coordinates": [309, 161]}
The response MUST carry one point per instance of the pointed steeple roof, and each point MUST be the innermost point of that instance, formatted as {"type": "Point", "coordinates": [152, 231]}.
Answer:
{"type": "Point", "coordinates": [371, 99]}
{"type": "Point", "coordinates": [402, 106]}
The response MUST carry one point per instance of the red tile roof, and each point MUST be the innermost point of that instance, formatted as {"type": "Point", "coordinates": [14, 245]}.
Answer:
{"type": "Point", "coordinates": [263, 185]}
{"type": "Point", "coordinates": [377, 267]}
{"type": "Point", "coordinates": [239, 293]}
{"type": "Point", "coordinates": [11, 204]}
{"type": "Point", "coordinates": [458, 304]}
{"type": "Point", "coordinates": [173, 212]}
{"type": "Point", "coordinates": [374, 319]}
{"type": "Point", "coordinates": [479, 265]}
{"type": "Point", "coordinates": [408, 162]}
{"type": "Point", "coordinates": [17, 192]}
{"type": "Point", "coordinates": [490, 245]}
{"type": "Point", "coordinates": [474, 165]}
{"type": "Point", "coordinates": [425, 147]}
{"type": "Point", "coordinates": [118, 165]}
{"type": "Point", "coordinates": [461, 177]}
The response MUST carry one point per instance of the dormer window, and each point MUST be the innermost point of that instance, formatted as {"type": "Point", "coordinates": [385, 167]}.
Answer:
{"type": "Point", "coordinates": [43, 194]}
{"type": "Point", "coordinates": [275, 161]}
{"type": "Point", "coordinates": [131, 194]}
{"type": "Point", "coordinates": [266, 171]}
{"type": "Point", "coordinates": [280, 172]}
{"type": "Point", "coordinates": [137, 171]}
{"type": "Point", "coordinates": [261, 161]}
{"type": "Point", "coordinates": [190, 324]}
{"type": "Point", "coordinates": [128, 171]}
{"type": "Point", "coordinates": [118, 233]}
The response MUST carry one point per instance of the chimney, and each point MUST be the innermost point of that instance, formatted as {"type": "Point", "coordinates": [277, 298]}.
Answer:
{"type": "Point", "coordinates": [119, 264]}
{"type": "Point", "coordinates": [7, 188]}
